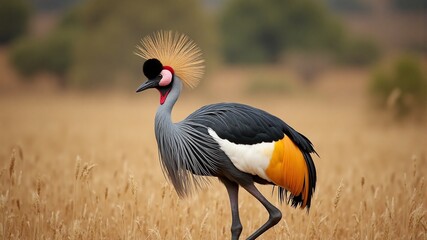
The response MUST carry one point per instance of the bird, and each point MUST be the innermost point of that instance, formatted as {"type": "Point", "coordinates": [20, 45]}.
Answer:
{"type": "Point", "coordinates": [236, 143]}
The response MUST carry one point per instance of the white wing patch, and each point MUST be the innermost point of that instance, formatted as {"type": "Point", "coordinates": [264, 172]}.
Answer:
{"type": "Point", "coordinates": [253, 159]}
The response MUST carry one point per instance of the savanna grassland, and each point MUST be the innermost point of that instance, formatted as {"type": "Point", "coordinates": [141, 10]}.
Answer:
{"type": "Point", "coordinates": [85, 166]}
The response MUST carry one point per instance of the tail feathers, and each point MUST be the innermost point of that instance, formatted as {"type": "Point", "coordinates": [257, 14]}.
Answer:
{"type": "Point", "coordinates": [293, 171]}
{"type": "Point", "coordinates": [304, 198]}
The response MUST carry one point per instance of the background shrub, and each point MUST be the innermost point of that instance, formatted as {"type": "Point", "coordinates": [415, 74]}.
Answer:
{"type": "Point", "coordinates": [403, 88]}
{"type": "Point", "coordinates": [14, 17]}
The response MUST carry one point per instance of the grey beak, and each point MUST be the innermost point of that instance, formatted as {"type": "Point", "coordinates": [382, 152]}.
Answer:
{"type": "Point", "coordinates": [148, 84]}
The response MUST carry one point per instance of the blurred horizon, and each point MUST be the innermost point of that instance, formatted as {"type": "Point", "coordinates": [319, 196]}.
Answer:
{"type": "Point", "coordinates": [375, 52]}
{"type": "Point", "coordinates": [83, 45]}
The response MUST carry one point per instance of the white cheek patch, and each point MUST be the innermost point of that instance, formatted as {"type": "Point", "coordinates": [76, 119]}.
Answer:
{"type": "Point", "coordinates": [166, 79]}
{"type": "Point", "coordinates": [252, 159]}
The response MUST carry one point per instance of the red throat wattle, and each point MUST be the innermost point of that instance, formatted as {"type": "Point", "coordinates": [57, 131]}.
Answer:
{"type": "Point", "coordinates": [163, 96]}
{"type": "Point", "coordinates": [168, 80]}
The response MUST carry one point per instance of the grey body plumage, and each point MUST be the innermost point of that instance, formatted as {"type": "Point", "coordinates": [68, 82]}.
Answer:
{"type": "Point", "coordinates": [186, 153]}
{"type": "Point", "coordinates": [236, 143]}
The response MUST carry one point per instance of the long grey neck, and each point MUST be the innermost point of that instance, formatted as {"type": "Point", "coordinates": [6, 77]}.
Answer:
{"type": "Point", "coordinates": [182, 151]}
{"type": "Point", "coordinates": [163, 115]}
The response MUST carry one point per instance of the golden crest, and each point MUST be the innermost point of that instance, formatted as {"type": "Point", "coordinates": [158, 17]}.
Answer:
{"type": "Point", "coordinates": [177, 51]}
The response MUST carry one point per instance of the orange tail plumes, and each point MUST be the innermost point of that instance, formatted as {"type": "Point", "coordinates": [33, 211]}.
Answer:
{"type": "Point", "coordinates": [292, 170]}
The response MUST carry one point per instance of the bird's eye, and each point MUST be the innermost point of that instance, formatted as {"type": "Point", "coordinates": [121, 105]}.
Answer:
{"type": "Point", "coordinates": [160, 76]}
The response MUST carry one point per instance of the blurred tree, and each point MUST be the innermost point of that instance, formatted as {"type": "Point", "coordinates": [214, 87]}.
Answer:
{"type": "Point", "coordinates": [358, 51]}
{"type": "Point", "coordinates": [52, 5]}
{"type": "Point", "coordinates": [409, 4]}
{"type": "Point", "coordinates": [349, 6]}
{"type": "Point", "coordinates": [402, 89]}
{"type": "Point", "coordinates": [112, 29]}
{"type": "Point", "coordinates": [261, 31]}
{"type": "Point", "coordinates": [101, 37]}
{"type": "Point", "coordinates": [257, 31]}
{"type": "Point", "coordinates": [14, 17]}
{"type": "Point", "coordinates": [52, 54]}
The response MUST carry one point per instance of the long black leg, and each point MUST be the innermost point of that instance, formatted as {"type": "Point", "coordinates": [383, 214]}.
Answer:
{"type": "Point", "coordinates": [275, 214]}
{"type": "Point", "coordinates": [233, 192]}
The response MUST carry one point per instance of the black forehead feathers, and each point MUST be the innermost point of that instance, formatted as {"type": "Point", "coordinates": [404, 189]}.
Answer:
{"type": "Point", "coordinates": [152, 68]}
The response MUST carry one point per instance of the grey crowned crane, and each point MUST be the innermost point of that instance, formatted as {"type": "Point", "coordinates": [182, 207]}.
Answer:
{"type": "Point", "coordinates": [238, 144]}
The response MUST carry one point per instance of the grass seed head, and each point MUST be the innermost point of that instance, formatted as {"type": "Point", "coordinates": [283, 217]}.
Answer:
{"type": "Point", "coordinates": [414, 163]}
{"type": "Point", "coordinates": [4, 198]}
{"type": "Point", "coordinates": [362, 181]}
{"type": "Point", "coordinates": [77, 167]}
{"type": "Point", "coordinates": [36, 203]}
{"type": "Point", "coordinates": [38, 187]}
{"type": "Point", "coordinates": [338, 195]}
{"type": "Point", "coordinates": [106, 193]}
{"type": "Point", "coordinates": [18, 204]}
{"type": "Point", "coordinates": [12, 163]}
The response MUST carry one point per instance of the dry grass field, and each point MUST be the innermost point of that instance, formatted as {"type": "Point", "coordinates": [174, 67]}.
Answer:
{"type": "Point", "coordinates": [85, 166]}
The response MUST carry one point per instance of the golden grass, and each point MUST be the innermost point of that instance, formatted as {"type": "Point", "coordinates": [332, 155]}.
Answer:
{"type": "Point", "coordinates": [86, 167]}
